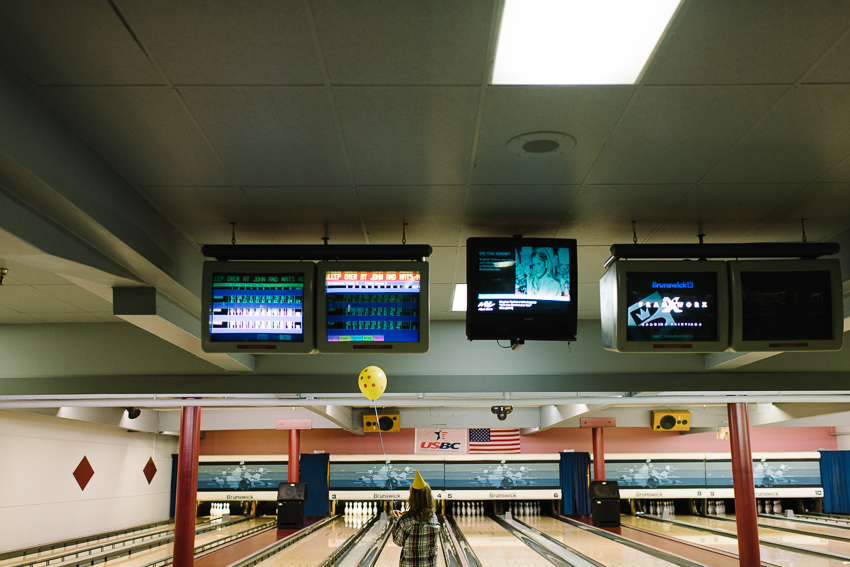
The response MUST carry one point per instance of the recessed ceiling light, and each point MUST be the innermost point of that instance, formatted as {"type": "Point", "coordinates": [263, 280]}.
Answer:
{"type": "Point", "coordinates": [578, 42]}
{"type": "Point", "coordinates": [459, 300]}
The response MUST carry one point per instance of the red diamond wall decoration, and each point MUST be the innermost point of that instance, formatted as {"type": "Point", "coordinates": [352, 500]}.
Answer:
{"type": "Point", "coordinates": [83, 473]}
{"type": "Point", "coordinates": [150, 470]}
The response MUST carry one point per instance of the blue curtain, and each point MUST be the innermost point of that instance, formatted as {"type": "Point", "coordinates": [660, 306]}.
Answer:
{"type": "Point", "coordinates": [576, 494]}
{"type": "Point", "coordinates": [314, 471]}
{"type": "Point", "coordinates": [835, 477]}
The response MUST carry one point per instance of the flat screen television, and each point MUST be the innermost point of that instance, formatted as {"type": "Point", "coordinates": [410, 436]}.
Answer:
{"type": "Point", "coordinates": [664, 306]}
{"type": "Point", "coordinates": [786, 305]}
{"type": "Point", "coordinates": [372, 307]}
{"type": "Point", "coordinates": [521, 288]}
{"type": "Point", "coordinates": [262, 307]}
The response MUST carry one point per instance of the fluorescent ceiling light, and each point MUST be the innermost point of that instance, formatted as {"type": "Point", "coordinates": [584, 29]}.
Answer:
{"type": "Point", "coordinates": [459, 300]}
{"type": "Point", "coordinates": [578, 42]}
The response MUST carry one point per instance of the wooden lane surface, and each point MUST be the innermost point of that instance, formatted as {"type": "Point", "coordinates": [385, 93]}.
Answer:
{"type": "Point", "coordinates": [609, 553]}
{"type": "Point", "coordinates": [313, 549]}
{"type": "Point", "coordinates": [771, 555]}
{"type": "Point", "coordinates": [827, 530]}
{"type": "Point", "coordinates": [812, 541]}
{"type": "Point", "coordinates": [47, 554]}
{"type": "Point", "coordinates": [495, 546]}
{"type": "Point", "coordinates": [391, 553]}
{"type": "Point", "coordinates": [163, 551]}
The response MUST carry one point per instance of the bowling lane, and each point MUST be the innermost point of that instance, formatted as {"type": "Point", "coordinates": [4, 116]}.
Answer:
{"type": "Point", "coordinates": [596, 547]}
{"type": "Point", "coordinates": [313, 549]}
{"type": "Point", "coordinates": [140, 558]}
{"type": "Point", "coordinates": [768, 554]}
{"type": "Point", "coordinates": [803, 538]}
{"type": "Point", "coordinates": [495, 546]}
{"type": "Point", "coordinates": [805, 527]}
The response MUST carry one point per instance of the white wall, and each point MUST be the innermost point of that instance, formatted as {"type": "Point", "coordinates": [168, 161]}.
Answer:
{"type": "Point", "coordinates": [40, 501]}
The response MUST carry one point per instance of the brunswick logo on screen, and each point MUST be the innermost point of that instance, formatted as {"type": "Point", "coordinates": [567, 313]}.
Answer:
{"type": "Point", "coordinates": [494, 441]}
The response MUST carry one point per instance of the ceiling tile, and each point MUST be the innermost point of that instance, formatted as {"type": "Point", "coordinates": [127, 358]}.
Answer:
{"type": "Point", "coordinates": [22, 274]}
{"type": "Point", "coordinates": [803, 136]}
{"type": "Point", "coordinates": [205, 213]}
{"type": "Point", "coordinates": [272, 136]}
{"type": "Point", "coordinates": [834, 67]}
{"type": "Point", "coordinates": [215, 42]}
{"type": "Point", "coordinates": [586, 114]}
{"type": "Point", "coordinates": [387, 42]}
{"type": "Point", "coordinates": [76, 296]}
{"type": "Point", "coordinates": [724, 213]}
{"type": "Point", "coordinates": [441, 297]}
{"type": "Point", "coordinates": [17, 319]}
{"type": "Point", "coordinates": [825, 206]}
{"type": "Point", "coordinates": [675, 135]}
{"type": "Point", "coordinates": [143, 132]}
{"type": "Point", "coordinates": [409, 135]}
{"type": "Point", "coordinates": [28, 300]}
{"type": "Point", "coordinates": [434, 214]}
{"type": "Point", "coordinates": [603, 214]}
{"type": "Point", "coordinates": [508, 210]}
{"type": "Point", "coordinates": [591, 261]}
{"type": "Point", "coordinates": [442, 263]}
{"type": "Point", "coordinates": [588, 297]}
{"type": "Point", "coordinates": [838, 174]}
{"type": "Point", "coordinates": [67, 317]}
{"type": "Point", "coordinates": [72, 43]}
{"type": "Point", "coordinates": [460, 265]}
{"type": "Point", "coordinates": [724, 42]}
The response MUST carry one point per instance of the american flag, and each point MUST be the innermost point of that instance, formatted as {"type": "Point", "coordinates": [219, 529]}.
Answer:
{"type": "Point", "coordinates": [494, 440]}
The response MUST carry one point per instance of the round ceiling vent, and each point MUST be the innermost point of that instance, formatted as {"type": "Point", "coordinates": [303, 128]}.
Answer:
{"type": "Point", "coordinates": [536, 143]}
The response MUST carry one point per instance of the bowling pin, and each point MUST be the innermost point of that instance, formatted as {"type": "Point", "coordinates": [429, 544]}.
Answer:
{"type": "Point", "coordinates": [711, 508]}
{"type": "Point", "coordinates": [759, 507]}
{"type": "Point", "coordinates": [777, 507]}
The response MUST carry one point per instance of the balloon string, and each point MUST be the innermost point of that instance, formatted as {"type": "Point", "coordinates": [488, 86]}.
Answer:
{"type": "Point", "coordinates": [384, 451]}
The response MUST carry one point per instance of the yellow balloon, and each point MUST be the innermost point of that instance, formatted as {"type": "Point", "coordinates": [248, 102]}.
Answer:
{"type": "Point", "coordinates": [372, 382]}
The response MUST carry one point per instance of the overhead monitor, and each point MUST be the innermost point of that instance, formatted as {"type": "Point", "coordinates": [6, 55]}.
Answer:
{"type": "Point", "coordinates": [372, 307]}
{"type": "Point", "coordinates": [786, 305]}
{"type": "Point", "coordinates": [664, 306]}
{"type": "Point", "coordinates": [260, 307]}
{"type": "Point", "coordinates": [521, 288]}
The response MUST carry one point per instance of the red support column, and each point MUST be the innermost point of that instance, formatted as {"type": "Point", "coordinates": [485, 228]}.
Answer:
{"type": "Point", "coordinates": [745, 494]}
{"type": "Point", "coordinates": [187, 487]}
{"type": "Point", "coordinates": [598, 454]}
{"type": "Point", "coordinates": [294, 455]}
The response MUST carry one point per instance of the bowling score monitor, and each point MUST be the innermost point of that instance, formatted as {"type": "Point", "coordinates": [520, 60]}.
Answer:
{"type": "Point", "coordinates": [259, 307]}
{"type": "Point", "coordinates": [664, 306]}
{"type": "Point", "coordinates": [372, 307]}
{"type": "Point", "coordinates": [786, 305]}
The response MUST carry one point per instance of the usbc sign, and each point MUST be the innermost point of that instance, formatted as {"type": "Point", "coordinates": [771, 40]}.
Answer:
{"type": "Point", "coordinates": [441, 441]}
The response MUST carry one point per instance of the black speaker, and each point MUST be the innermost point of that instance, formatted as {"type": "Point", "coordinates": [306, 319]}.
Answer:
{"type": "Point", "coordinates": [605, 512]}
{"type": "Point", "coordinates": [604, 489]}
{"type": "Point", "coordinates": [292, 491]}
{"type": "Point", "coordinates": [290, 514]}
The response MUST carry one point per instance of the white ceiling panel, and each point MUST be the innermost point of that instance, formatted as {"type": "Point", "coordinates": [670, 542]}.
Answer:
{"type": "Point", "coordinates": [29, 300]}
{"type": "Point", "coordinates": [408, 135]}
{"type": "Point", "coordinates": [274, 136]}
{"type": "Point", "coordinates": [77, 297]}
{"type": "Point", "coordinates": [460, 265]}
{"type": "Point", "coordinates": [144, 132]}
{"type": "Point", "coordinates": [825, 206]}
{"type": "Point", "coordinates": [804, 135]}
{"type": "Point", "coordinates": [441, 297]}
{"type": "Point", "coordinates": [588, 299]}
{"type": "Point", "coordinates": [724, 213]}
{"type": "Point", "coordinates": [72, 43]}
{"type": "Point", "coordinates": [205, 213]}
{"type": "Point", "coordinates": [22, 274]}
{"type": "Point", "coordinates": [434, 214]}
{"type": "Point", "coordinates": [603, 214]}
{"type": "Point", "coordinates": [586, 114]}
{"type": "Point", "coordinates": [838, 174]}
{"type": "Point", "coordinates": [67, 317]}
{"type": "Point", "coordinates": [727, 42]}
{"type": "Point", "coordinates": [218, 42]}
{"type": "Point", "coordinates": [17, 319]}
{"type": "Point", "coordinates": [442, 263]}
{"type": "Point", "coordinates": [428, 42]}
{"type": "Point", "coordinates": [534, 210]}
{"type": "Point", "coordinates": [675, 135]}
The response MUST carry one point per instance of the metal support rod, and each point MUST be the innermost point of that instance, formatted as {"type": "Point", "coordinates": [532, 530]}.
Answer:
{"type": "Point", "coordinates": [317, 251]}
{"type": "Point", "coordinates": [598, 453]}
{"type": "Point", "coordinates": [294, 455]}
{"type": "Point", "coordinates": [742, 477]}
{"type": "Point", "coordinates": [187, 487]}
